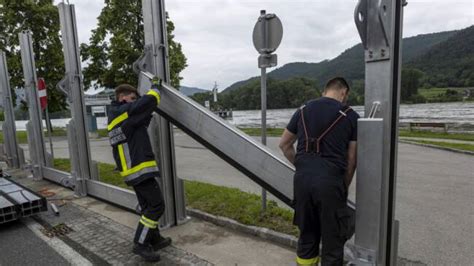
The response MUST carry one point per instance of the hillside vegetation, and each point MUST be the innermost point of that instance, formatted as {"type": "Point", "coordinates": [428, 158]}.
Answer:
{"type": "Point", "coordinates": [436, 60]}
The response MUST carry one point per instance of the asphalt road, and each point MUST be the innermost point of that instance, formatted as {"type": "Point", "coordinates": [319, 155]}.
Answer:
{"type": "Point", "coordinates": [435, 194]}
{"type": "Point", "coordinates": [20, 246]}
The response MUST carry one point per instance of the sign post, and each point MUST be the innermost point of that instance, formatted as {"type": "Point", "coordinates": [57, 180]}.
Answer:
{"type": "Point", "coordinates": [43, 97]}
{"type": "Point", "coordinates": [267, 35]}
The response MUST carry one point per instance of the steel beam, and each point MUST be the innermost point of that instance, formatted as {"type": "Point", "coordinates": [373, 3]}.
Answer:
{"type": "Point", "coordinates": [160, 130]}
{"type": "Point", "coordinates": [380, 26]}
{"type": "Point", "coordinates": [73, 85]}
{"type": "Point", "coordinates": [116, 195]}
{"type": "Point", "coordinates": [38, 151]}
{"type": "Point", "coordinates": [60, 177]}
{"type": "Point", "coordinates": [9, 128]}
{"type": "Point", "coordinates": [228, 142]}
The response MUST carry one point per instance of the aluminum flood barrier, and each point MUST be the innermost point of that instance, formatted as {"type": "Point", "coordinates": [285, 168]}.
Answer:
{"type": "Point", "coordinates": [228, 142]}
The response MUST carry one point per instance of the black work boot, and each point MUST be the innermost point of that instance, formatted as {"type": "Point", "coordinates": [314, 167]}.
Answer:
{"type": "Point", "coordinates": [159, 242]}
{"type": "Point", "coordinates": [146, 252]}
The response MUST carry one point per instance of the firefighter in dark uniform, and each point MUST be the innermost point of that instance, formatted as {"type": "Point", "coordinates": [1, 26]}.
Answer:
{"type": "Point", "coordinates": [128, 120]}
{"type": "Point", "coordinates": [325, 161]}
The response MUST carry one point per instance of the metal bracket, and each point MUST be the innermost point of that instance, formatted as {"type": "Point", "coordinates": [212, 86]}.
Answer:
{"type": "Point", "coordinates": [360, 18]}
{"type": "Point", "coordinates": [61, 86]}
{"type": "Point", "coordinates": [267, 60]}
{"type": "Point", "coordinates": [365, 256]}
{"type": "Point", "coordinates": [385, 17]}
{"type": "Point", "coordinates": [374, 109]}
{"type": "Point", "coordinates": [145, 60]}
{"type": "Point", "coordinates": [376, 16]}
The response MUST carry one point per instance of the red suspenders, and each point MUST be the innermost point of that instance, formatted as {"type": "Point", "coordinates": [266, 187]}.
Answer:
{"type": "Point", "coordinates": [325, 132]}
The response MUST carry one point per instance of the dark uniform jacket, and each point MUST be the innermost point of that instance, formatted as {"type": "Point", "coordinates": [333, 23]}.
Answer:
{"type": "Point", "coordinates": [319, 115]}
{"type": "Point", "coordinates": [127, 129]}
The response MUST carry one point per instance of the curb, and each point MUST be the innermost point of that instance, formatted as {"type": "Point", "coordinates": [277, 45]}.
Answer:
{"type": "Point", "coordinates": [261, 232]}
{"type": "Point", "coordinates": [436, 147]}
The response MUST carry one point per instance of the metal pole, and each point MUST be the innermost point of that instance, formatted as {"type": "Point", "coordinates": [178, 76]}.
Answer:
{"type": "Point", "coordinates": [264, 124]}
{"type": "Point", "coordinates": [48, 127]}
{"type": "Point", "coordinates": [160, 130]}
{"type": "Point", "coordinates": [380, 26]}
{"type": "Point", "coordinates": [74, 87]}
{"type": "Point", "coordinates": [11, 143]}
{"type": "Point", "coordinates": [29, 72]}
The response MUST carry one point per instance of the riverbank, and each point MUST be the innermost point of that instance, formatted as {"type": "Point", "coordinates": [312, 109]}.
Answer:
{"type": "Point", "coordinates": [423, 137]}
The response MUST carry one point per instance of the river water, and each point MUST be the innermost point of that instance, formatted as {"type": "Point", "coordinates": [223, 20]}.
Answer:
{"type": "Point", "coordinates": [457, 113]}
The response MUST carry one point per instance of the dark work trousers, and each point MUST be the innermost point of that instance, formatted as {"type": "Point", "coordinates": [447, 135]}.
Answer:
{"type": "Point", "coordinates": [320, 210]}
{"type": "Point", "coordinates": [152, 205]}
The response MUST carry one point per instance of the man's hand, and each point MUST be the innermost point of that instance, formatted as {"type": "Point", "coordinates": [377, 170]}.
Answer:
{"type": "Point", "coordinates": [286, 145]}
{"type": "Point", "coordinates": [156, 83]}
{"type": "Point", "coordinates": [155, 89]}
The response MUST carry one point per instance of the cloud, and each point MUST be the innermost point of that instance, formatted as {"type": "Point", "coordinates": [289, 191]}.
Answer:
{"type": "Point", "coordinates": [217, 34]}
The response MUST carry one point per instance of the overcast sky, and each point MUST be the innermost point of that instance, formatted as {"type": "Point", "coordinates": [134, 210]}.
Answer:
{"type": "Point", "coordinates": [217, 34]}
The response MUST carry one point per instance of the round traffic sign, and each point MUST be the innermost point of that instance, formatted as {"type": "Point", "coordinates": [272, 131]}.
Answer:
{"type": "Point", "coordinates": [267, 33]}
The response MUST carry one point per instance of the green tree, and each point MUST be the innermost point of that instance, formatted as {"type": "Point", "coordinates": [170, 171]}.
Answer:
{"type": "Point", "coordinates": [118, 41]}
{"type": "Point", "coordinates": [41, 17]}
{"type": "Point", "coordinates": [289, 93]}
{"type": "Point", "coordinates": [410, 82]}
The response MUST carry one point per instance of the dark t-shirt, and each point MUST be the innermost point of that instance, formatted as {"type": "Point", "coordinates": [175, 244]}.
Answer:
{"type": "Point", "coordinates": [319, 115]}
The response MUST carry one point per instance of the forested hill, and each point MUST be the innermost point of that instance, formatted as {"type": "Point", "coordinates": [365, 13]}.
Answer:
{"type": "Point", "coordinates": [450, 63]}
{"type": "Point", "coordinates": [350, 63]}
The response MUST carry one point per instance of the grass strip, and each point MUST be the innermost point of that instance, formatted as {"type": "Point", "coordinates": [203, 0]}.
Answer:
{"type": "Point", "coordinates": [437, 135]}
{"type": "Point", "coordinates": [277, 132]}
{"type": "Point", "coordinates": [22, 137]}
{"type": "Point", "coordinates": [274, 132]}
{"type": "Point", "coordinates": [222, 201]}
{"type": "Point", "coordinates": [271, 132]}
{"type": "Point", "coordinates": [458, 146]}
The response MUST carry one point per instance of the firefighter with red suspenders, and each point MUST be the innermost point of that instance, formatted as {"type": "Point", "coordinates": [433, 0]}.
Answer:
{"type": "Point", "coordinates": [325, 161]}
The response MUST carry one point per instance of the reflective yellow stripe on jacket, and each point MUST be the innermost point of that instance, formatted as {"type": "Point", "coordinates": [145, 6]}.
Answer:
{"type": "Point", "coordinates": [155, 94]}
{"type": "Point", "coordinates": [137, 170]}
{"type": "Point", "coordinates": [117, 121]}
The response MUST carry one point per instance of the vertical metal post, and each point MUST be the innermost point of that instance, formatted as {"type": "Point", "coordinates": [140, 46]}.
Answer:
{"type": "Point", "coordinates": [263, 84]}
{"type": "Point", "coordinates": [380, 26]}
{"type": "Point", "coordinates": [160, 130]}
{"type": "Point", "coordinates": [34, 109]}
{"type": "Point", "coordinates": [74, 87]}
{"type": "Point", "coordinates": [263, 89]}
{"type": "Point", "coordinates": [48, 127]}
{"type": "Point", "coordinates": [9, 128]}
{"type": "Point", "coordinates": [80, 188]}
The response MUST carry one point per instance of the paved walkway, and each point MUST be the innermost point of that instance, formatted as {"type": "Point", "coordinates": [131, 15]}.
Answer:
{"type": "Point", "coordinates": [103, 234]}
{"type": "Point", "coordinates": [20, 246]}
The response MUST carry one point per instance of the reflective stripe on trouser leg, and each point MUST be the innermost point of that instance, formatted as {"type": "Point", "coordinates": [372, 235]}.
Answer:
{"type": "Point", "coordinates": [312, 261]}
{"type": "Point", "coordinates": [148, 222]}
{"type": "Point", "coordinates": [143, 235]}
{"type": "Point", "coordinates": [145, 230]}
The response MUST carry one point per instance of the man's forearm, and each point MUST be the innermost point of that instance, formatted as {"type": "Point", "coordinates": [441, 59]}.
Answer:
{"type": "Point", "coordinates": [351, 166]}
{"type": "Point", "coordinates": [289, 153]}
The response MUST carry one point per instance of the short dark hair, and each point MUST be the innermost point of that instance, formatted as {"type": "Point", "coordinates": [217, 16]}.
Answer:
{"type": "Point", "coordinates": [337, 83]}
{"type": "Point", "coordinates": [124, 89]}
